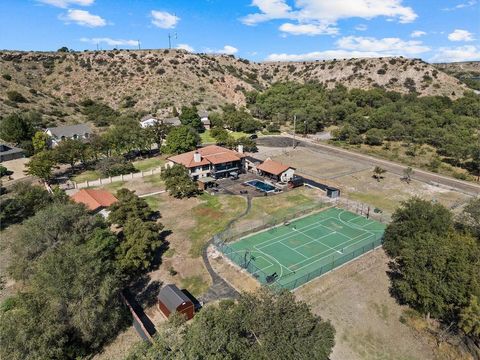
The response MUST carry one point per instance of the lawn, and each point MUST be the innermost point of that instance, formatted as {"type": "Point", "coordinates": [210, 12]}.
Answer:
{"type": "Point", "coordinates": [88, 175]}
{"type": "Point", "coordinates": [149, 164]}
{"type": "Point", "coordinates": [208, 139]}
{"type": "Point", "coordinates": [269, 208]}
{"type": "Point", "coordinates": [211, 216]}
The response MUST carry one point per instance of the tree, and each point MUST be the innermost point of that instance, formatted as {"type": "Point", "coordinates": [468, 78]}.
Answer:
{"type": "Point", "coordinates": [436, 274]}
{"type": "Point", "coordinates": [407, 174]}
{"type": "Point", "coordinates": [470, 318]}
{"type": "Point", "coordinates": [4, 171]}
{"type": "Point", "coordinates": [40, 141]}
{"type": "Point", "coordinates": [27, 200]}
{"type": "Point", "coordinates": [378, 173]}
{"type": "Point", "coordinates": [178, 182]}
{"type": "Point", "coordinates": [137, 247]}
{"type": "Point", "coordinates": [70, 151]}
{"type": "Point", "coordinates": [221, 135]}
{"type": "Point", "coordinates": [181, 139]}
{"type": "Point", "coordinates": [260, 325]}
{"type": "Point", "coordinates": [114, 166]}
{"type": "Point", "coordinates": [158, 132]}
{"type": "Point", "coordinates": [41, 165]}
{"type": "Point", "coordinates": [189, 117]}
{"type": "Point", "coordinates": [63, 49]}
{"type": "Point", "coordinates": [15, 128]}
{"type": "Point", "coordinates": [469, 219]}
{"type": "Point", "coordinates": [374, 137]}
{"type": "Point", "coordinates": [129, 206]}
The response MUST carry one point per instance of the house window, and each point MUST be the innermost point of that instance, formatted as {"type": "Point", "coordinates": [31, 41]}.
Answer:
{"type": "Point", "coordinates": [205, 167]}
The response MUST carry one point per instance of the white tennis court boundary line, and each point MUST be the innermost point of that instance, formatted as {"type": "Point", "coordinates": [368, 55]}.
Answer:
{"type": "Point", "coordinates": [335, 268]}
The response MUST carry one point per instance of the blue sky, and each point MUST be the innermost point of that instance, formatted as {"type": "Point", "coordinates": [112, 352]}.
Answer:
{"type": "Point", "coordinates": [434, 30]}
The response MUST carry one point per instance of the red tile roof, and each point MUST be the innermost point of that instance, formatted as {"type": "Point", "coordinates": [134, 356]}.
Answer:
{"type": "Point", "coordinates": [211, 154]}
{"type": "Point", "coordinates": [273, 167]}
{"type": "Point", "coordinates": [94, 199]}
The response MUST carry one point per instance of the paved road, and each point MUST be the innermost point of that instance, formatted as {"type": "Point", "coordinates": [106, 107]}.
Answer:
{"type": "Point", "coordinates": [421, 175]}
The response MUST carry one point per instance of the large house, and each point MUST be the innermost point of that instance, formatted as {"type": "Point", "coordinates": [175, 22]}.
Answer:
{"type": "Point", "coordinates": [211, 161]}
{"type": "Point", "coordinates": [60, 133]}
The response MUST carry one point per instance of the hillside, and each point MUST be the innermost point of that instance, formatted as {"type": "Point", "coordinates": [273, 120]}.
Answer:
{"type": "Point", "coordinates": [154, 80]}
{"type": "Point", "coordinates": [468, 72]}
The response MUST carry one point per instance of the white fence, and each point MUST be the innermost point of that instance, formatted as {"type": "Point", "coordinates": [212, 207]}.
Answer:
{"type": "Point", "coordinates": [112, 179]}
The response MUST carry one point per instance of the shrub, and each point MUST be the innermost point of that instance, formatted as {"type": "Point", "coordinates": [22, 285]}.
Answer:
{"type": "Point", "coordinates": [7, 77]}
{"type": "Point", "coordinates": [16, 97]}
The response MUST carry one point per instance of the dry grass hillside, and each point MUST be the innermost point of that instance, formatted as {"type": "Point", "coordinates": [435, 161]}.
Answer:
{"type": "Point", "coordinates": [154, 80]}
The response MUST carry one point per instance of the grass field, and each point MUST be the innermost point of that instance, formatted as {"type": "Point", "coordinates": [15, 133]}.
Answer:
{"type": "Point", "coordinates": [306, 247]}
{"type": "Point", "coordinates": [207, 138]}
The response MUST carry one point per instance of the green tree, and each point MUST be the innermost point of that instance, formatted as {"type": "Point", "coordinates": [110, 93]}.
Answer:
{"type": "Point", "coordinates": [40, 141]}
{"type": "Point", "coordinates": [181, 139]}
{"type": "Point", "coordinates": [260, 325]}
{"type": "Point", "coordinates": [15, 128]}
{"type": "Point", "coordinates": [158, 132]}
{"type": "Point", "coordinates": [374, 137]}
{"type": "Point", "coordinates": [436, 274]}
{"type": "Point", "coordinates": [189, 117]}
{"type": "Point", "coordinates": [129, 206]}
{"type": "Point", "coordinates": [469, 219]}
{"type": "Point", "coordinates": [378, 173]}
{"type": "Point", "coordinates": [178, 182]}
{"type": "Point", "coordinates": [41, 165]}
{"type": "Point", "coordinates": [470, 318]}
{"type": "Point", "coordinates": [413, 218]}
{"type": "Point", "coordinates": [407, 174]}
{"type": "Point", "coordinates": [70, 151]}
{"type": "Point", "coordinates": [137, 247]}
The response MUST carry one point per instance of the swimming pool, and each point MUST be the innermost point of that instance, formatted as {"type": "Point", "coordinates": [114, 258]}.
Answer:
{"type": "Point", "coordinates": [260, 185]}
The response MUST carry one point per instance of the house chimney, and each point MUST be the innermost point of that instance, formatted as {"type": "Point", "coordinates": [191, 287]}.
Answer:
{"type": "Point", "coordinates": [240, 149]}
{"type": "Point", "coordinates": [197, 157]}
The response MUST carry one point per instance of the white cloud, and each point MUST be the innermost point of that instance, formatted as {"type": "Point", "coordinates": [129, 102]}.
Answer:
{"type": "Point", "coordinates": [361, 27]}
{"type": "Point", "coordinates": [186, 47]}
{"type": "Point", "coordinates": [461, 5]}
{"type": "Point", "coordinates": [83, 18]}
{"type": "Point", "coordinates": [460, 35]}
{"type": "Point", "coordinates": [110, 41]}
{"type": "Point", "coordinates": [462, 53]}
{"type": "Point", "coordinates": [66, 3]}
{"type": "Point", "coordinates": [313, 15]}
{"type": "Point", "coordinates": [227, 49]}
{"type": "Point", "coordinates": [308, 29]}
{"type": "Point", "coordinates": [417, 33]}
{"type": "Point", "coordinates": [387, 45]}
{"type": "Point", "coordinates": [359, 47]}
{"type": "Point", "coordinates": [163, 19]}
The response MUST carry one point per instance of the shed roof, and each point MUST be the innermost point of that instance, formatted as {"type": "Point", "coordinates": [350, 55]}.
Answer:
{"type": "Point", "coordinates": [70, 130]}
{"type": "Point", "coordinates": [94, 199]}
{"type": "Point", "coordinates": [273, 167]}
{"type": "Point", "coordinates": [172, 297]}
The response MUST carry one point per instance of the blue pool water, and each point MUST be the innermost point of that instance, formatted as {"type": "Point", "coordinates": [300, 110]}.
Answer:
{"type": "Point", "coordinates": [260, 185]}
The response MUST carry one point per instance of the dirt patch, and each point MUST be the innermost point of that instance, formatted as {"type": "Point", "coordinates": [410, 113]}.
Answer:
{"type": "Point", "coordinates": [231, 273]}
{"type": "Point", "coordinates": [356, 300]}
{"type": "Point", "coordinates": [120, 347]}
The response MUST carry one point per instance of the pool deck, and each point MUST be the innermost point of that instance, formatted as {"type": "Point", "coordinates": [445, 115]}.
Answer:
{"type": "Point", "coordinates": [235, 187]}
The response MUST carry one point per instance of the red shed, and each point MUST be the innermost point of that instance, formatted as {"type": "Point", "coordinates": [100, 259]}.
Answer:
{"type": "Point", "coordinates": [171, 299]}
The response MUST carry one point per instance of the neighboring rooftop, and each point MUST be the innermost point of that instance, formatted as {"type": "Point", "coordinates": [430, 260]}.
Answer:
{"type": "Point", "coordinates": [94, 199]}
{"type": "Point", "coordinates": [273, 167]}
{"type": "Point", "coordinates": [211, 154]}
{"type": "Point", "coordinates": [175, 121]}
{"type": "Point", "coordinates": [70, 130]}
{"type": "Point", "coordinates": [172, 297]}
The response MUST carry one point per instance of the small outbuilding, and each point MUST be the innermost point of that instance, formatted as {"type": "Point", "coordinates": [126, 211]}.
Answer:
{"type": "Point", "coordinates": [171, 299]}
{"type": "Point", "coordinates": [8, 153]}
{"type": "Point", "coordinates": [276, 170]}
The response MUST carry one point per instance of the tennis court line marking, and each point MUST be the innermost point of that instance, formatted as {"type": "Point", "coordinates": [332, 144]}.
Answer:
{"type": "Point", "coordinates": [318, 241]}
{"type": "Point", "coordinates": [263, 269]}
{"type": "Point", "coordinates": [326, 256]}
{"type": "Point", "coordinates": [347, 245]}
{"type": "Point", "coordinates": [299, 253]}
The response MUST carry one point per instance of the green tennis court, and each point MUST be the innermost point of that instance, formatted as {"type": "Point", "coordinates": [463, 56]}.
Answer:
{"type": "Point", "coordinates": [292, 254]}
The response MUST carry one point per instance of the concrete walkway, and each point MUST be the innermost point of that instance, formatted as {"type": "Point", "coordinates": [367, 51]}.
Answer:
{"type": "Point", "coordinates": [220, 289]}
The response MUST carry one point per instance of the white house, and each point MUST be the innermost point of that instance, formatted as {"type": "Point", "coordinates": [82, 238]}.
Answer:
{"type": "Point", "coordinates": [57, 134]}
{"type": "Point", "coordinates": [148, 120]}
{"type": "Point", "coordinates": [204, 119]}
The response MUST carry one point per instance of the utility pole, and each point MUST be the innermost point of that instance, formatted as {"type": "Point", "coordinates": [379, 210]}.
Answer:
{"type": "Point", "coordinates": [294, 129]}
{"type": "Point", "coordinates": [170, 39]}
{"type": "Point", "coordinates": [138, 42]}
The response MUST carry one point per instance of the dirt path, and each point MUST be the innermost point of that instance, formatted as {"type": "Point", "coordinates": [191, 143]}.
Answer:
{"type": "Point", "coordinates": [421, 175]}
{"type": "Point", "coordinates": [220, 289]}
